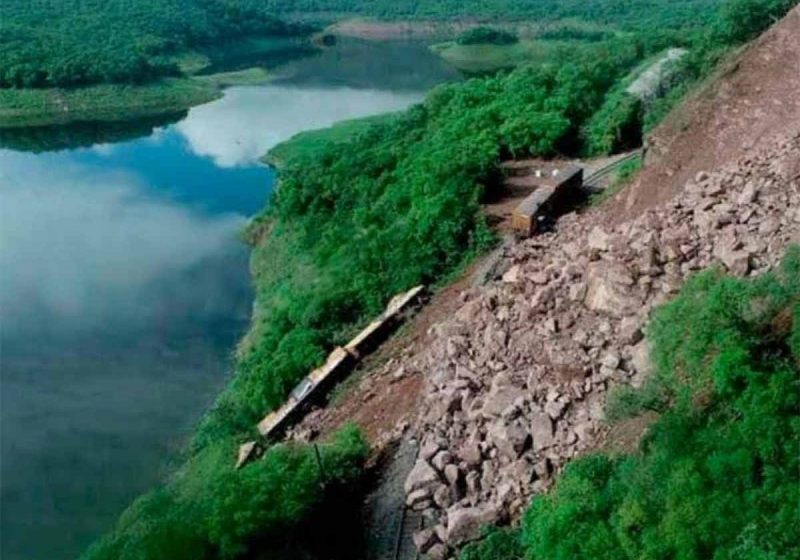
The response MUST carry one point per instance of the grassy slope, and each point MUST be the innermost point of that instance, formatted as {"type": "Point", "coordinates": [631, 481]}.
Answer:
{"type": "Point", "coordinates": [488, 57]}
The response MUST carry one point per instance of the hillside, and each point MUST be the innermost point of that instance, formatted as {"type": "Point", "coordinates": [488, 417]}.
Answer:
{"type": "Point", "coordinates": [512, 380]}
{"type": "Point", "coordinates": [113, 41]}
{"type": "Point", "coordinates": [752, 97]}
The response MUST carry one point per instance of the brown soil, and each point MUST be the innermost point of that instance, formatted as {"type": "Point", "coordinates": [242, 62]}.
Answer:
{"type": "Point", "coordinates": [754, 95]}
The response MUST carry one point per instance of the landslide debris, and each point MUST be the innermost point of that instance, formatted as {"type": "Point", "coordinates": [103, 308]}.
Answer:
{"type": "Point", "coordinates": [517, 379]}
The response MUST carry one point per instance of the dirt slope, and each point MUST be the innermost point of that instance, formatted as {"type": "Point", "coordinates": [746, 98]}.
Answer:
{"type": "Point", "coordinates": [755, 95]}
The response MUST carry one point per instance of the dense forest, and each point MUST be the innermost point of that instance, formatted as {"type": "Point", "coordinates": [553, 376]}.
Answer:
{"type": "Point", "coordinates": [398, 203]}
{"type": "Point", "coordinates": [719, 472]}
{"type": "Point", "coordinates": [674, 13]}
{"type": "Point", "coordinates": [80, 42]}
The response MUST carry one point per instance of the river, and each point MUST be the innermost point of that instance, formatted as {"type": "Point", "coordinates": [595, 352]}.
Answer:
{"type": "Point", "coordinates": [124, 284]}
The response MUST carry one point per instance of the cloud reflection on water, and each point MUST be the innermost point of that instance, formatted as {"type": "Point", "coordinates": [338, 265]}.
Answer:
{"type": "Point", "coordinates": [82, 244]}
{"type": "Point", "coordinates": [248, 121]}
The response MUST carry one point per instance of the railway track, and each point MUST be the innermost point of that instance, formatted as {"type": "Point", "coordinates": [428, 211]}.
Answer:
{"type": "Point", "coordinates": [410, 522]}
{"type": "Point", "coordinates": [593, 182]}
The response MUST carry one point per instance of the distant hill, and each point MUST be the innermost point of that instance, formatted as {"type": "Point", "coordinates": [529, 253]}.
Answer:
{"type": "Point", "coordinates": [625, 12]}
{"type": "Point", "coordinates": [80, 42]}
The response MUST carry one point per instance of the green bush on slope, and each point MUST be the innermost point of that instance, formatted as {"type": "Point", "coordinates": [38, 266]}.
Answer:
{"type": "Point", "coordinates": [718, 475]}
{"type": "Point", "coordinates": [211, 510]}
{"type": "Point", "coordinates": [487, 35]}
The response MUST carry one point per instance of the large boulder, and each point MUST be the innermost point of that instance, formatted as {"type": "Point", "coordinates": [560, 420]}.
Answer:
{"type": "Point", "coordinates": [422, 476]}
{"type": "Point", "coordinates": [542, 431]}
{"type": "Point", "coordinates": [609, 289]}
{"type": "Point", "coordinates": [464, 523]}
{"type": "Point", "coordinates": [509, 439]}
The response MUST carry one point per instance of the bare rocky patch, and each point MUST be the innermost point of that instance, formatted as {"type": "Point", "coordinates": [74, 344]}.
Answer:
{"type": "Point", "coordinates": [516, 379]}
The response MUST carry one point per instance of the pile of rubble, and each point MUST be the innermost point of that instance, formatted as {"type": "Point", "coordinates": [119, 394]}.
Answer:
{"type": "Point", "coordinates": [517, 378]}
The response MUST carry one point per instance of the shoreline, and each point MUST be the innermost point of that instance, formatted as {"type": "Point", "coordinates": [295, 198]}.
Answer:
{"type": "Point", "coordinates": [102, 103]}
{"type": "Point", "coordinates": [31, 108]}
{"type": "Point", "coordinates": [112, 103]}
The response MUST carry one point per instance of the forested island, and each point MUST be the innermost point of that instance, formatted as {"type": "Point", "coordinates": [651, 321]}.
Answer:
{"type": "Point", "coordinates": [368, 208]}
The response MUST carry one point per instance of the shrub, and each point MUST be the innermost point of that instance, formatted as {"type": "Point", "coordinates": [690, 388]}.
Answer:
{"type": "Point", "coordinates": [616, 127]}
{"type": "Point", "coordinates": [209, 510]}
{"type": "Point", "coordinates": [487, 36]}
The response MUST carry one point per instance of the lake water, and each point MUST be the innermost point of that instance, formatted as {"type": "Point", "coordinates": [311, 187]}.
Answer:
{"type": "Point", "coordinates": [124, 286]}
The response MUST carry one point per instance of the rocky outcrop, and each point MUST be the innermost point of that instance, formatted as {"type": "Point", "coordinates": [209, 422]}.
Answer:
{"type": "Point", "coordinates": [517, 378]}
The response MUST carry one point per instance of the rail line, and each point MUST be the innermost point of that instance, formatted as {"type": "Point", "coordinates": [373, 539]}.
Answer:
{"type": "Point", "coordinates": [410, 522]}
{"type": "Point", "coordinates": [592, 181]}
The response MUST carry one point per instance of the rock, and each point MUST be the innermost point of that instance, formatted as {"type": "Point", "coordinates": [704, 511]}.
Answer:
{"type": "Point", "coordinates": [473, 484]}
{"type": "Point", "coordinates": [610, 360]}
{"type": "Point", "coordinates": [464, 524]}
{"type": "Point", "coordinates": [246, 451]}
{"type": "Point", "coordinates": [509, 439]}
{"type": "Point", "coordinates": [736, 261]}
{"type": "Point", "coordinates": [555, 409]}
{"type": "Point", "coordinates": [441, 532]}
{"type": "Point", "coordinates": [748, 195]}
{"type": "Point", "coordinates": [424, 539]}
{"type": "Point", "coordinates": [609, 289]}
{"type": "Point", "coordinates": [429, 448]}
{"type": "Point", "coordinates": [499, 399]}
{"type": "Point", "coordinates": [630, 330]}
{"type": "Point", "coordinates": [421, 476]}
{"type": "Point", "coordinates": [598, 239]}
{"type": "Point", "coordinates": [640, 358]}
{"type": "Point", "coordinates": [533, 359]}
{"type": "Point", "coordinates": [512, 274]}
{"type": "Point", "coordinates": [542, 431]}
{"type": "Point", "coordinates": [441, 460]}
{"type": "Point", "coordinates": [399, 374]}
{"type": "Point", "coordinates": [437, 552]}
{"type": "Point", "coordinates": [417, 496]}
{"type": "Point", "coordinates": [442, 497]}
{"type": "Point", "coordinates": [451, 473]}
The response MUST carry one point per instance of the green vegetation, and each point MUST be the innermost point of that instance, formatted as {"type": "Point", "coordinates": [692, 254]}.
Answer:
{"type": "Point", "coordinates": [486, 58]}
{"type": "Point", "coordinates": [107, 102]}
{"type": "Point", "coordinates": [718, 475]}
{"type": "Point", "coordinates": [487, 36]}
{"type": "Point", "coordinates": [209, 510]}
{"type": "Point", "coordinates": [310, 145]}
{"type": "Point", "coordinates": [665, 13]}
{"type": "Point", "coordinates": [117, 41]}
{"type": "Point", "coordinates": [574, 32]}
{"type": "Point", "coordinates": [115, 59]}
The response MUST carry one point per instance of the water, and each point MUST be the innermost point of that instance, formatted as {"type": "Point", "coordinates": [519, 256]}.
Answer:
{"type": "Point", "coordinates": [124, 285]}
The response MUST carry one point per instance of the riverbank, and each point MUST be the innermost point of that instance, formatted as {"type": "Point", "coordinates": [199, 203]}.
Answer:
{"type": "Point", "coordinates": [203, 77]}
{"type": "Point", "coordinates": [110, 103]}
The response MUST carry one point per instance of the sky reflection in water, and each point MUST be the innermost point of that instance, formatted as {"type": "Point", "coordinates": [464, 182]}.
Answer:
{"type": "Point", "coordinates": [123, 290]}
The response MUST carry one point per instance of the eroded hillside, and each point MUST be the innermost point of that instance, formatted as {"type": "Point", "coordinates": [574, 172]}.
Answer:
{"type": "Point", "coordinates": [515, 374]}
